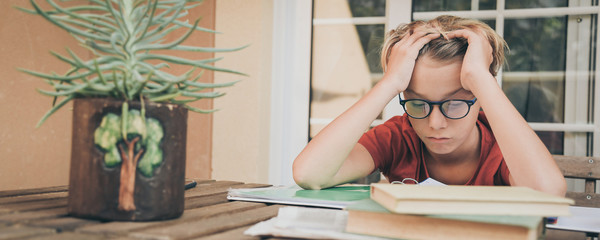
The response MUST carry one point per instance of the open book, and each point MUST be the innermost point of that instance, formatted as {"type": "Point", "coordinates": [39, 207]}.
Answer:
{"type": "Point", "coordinates": [335, 197]}
{"type": "Point", "coordinates": [478, 200]}
{"type": "Point", "coordinates": [308, 223]}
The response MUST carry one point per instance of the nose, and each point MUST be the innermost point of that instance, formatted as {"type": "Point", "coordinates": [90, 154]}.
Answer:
{"type": "Point", "coordinates": [437, 120]}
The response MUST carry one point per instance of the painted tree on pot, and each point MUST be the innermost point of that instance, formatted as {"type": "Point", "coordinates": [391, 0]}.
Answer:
{"type": "Point", "coordinates": [142, 136]}
{"type": "Point", "coordinates": [130, 62]}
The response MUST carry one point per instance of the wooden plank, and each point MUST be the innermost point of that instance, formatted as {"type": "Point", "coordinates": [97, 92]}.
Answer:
{"type": "Point", "coordinates": [237, 233]}
{"type": "Point", "coordinates": [200, 181]}
{"type": "Point", "coordinates": [24, 217]}
{"type": "Point", "coordinates": [251, 185]}
{"type": "Point", "coordinates": [579, 167]}
{"type": "Point", "coordinates": [209, 226]}
{"type": "Point", "coordinates": [590, 186]}
{"type": "Point", "coordinates": [214, 195]}
{"type": "Point", "coordinates": [120, 228]}
{"type": "Point", "coordinates": [219, 183]}
{"type": "Point", "coordinates": [279, 238]}
{"type": "Point", "coordinates": [555, 234]}
{"type": "Point", "coordinates": [14, 232]}
{"type": "Point", "coordinates": [585, 199]}
{"type": "Point", "coordinates": [205, 201]}
{"type": "Point", "coordinates": [63, 224]}
{"type": "Point", "coordinates": [69, 236]}
{"type": "Point", "coordinates": [20, 192]}
{"type": "Point", "coordinates": [34, 197]}
{"type": "Point", "coordinates": [210, 189]}
{"type": "Point", "coordinates": [36, 205]}
{"type": "Point", "coordinates": [213, 189]}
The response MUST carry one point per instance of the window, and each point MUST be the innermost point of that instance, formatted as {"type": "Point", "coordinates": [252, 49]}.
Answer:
{"type": "Point", "coordinates": [549, 75]}
{"type": "Point", "coordinates": [347, 35]}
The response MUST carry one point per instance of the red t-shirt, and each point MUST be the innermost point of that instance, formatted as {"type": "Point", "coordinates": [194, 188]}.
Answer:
{"type": "Point", "coordinates": [396, 151]}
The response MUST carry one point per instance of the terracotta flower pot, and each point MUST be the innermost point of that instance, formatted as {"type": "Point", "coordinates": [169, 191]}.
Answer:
{"type": "Point", "coordinates": [139, 177]}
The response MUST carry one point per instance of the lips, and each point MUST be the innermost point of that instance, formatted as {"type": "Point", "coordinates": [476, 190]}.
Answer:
{"type": "Point", "coordinates": [438, 139]}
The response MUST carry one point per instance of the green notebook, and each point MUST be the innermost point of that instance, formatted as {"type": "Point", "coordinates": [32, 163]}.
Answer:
{"type": "Point", "coordinates": [335, 197]}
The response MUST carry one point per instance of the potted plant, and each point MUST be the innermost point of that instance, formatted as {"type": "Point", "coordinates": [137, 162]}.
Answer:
{"type": "Point", "coordinates": [129, 111]}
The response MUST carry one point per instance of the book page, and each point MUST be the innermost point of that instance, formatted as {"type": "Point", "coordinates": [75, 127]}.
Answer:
{"type": "Point", "coordinates": [335, 197]}
{"type": "Point", "coordinates": [582, 219]}
{"type": "Point", "coordinates": [307, 223]}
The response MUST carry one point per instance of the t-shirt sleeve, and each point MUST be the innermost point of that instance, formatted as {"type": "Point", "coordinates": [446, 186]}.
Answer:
{"type": "Point", "coordinates": [380, 141]}
{"type": "Point", "coordinates": [489, 143]}
{"type": "Point", "coordinates": [504, 174]}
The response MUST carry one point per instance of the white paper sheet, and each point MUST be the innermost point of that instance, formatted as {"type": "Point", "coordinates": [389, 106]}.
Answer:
{"type": "Point", "coordinates": [582, 219]}
{"type": "Point", "coordinates": [308, 223]}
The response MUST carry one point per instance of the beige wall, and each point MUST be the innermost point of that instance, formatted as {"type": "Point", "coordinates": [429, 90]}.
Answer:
{"type": "Point", "coordinates": [241, 128]}
{"type": "Point", "coordinates": [31, 158]}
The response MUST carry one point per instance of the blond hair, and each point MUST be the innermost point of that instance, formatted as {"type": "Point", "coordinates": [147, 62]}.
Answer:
{"type": "Point", "coordinates": [441, 48]}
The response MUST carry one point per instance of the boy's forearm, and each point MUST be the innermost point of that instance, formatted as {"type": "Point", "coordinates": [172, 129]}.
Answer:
{"type": "Point", "coordinates": [319, 162]}
{"type": "Point", "coordinates": [529, 161]}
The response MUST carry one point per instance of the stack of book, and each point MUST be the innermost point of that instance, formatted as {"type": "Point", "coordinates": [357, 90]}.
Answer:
{"type": "Point", "coordinates": [454, 212]}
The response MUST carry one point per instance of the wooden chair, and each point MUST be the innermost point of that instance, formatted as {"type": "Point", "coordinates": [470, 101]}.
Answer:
{"type": "Point", "coordinates": [588, 170]}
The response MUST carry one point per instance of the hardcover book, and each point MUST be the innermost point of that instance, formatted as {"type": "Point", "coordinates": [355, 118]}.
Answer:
{"type": "Point", "coordinates": [474, 200]}
{"type": "Point", "coordinates": [369, 218]}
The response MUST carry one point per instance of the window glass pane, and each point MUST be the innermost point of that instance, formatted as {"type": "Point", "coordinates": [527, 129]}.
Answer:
{"type": "Point", "coordinates": [371, 39]}
{"type": "Point", "coordinates": [491, 23]}
{"type": "Point", "coordinates": [367, 8]}
{"type": "Point", "coordinates": [554, 141]}
{"type": "Point", "coordinates": [451, 5]}
{"type": "Point", "coordinates": [344, 67]}
{"type": "Point", "coordinates": [513, 4]}
{"type": "Point", "coordinates": [487, 4]}
{"type": "Point", "coordinates": [441, 5]}
{"type": "Point", "coordinates": [348, 8]}
{"type": "Point", "coordinates": [534, 78]}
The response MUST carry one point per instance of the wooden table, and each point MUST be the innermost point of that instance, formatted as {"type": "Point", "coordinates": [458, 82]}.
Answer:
{"type": "Point", "coordinates": [42, 214]}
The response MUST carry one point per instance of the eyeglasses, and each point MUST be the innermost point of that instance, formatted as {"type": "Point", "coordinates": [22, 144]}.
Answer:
{"type": "Point", "coordinates": [452, 108]}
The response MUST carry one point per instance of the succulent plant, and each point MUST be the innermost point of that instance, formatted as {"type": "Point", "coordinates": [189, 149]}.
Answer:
{"type": "Point", "coordinates": [130, 53]}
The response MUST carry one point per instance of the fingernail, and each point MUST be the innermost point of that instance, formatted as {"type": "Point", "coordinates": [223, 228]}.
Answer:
{"type": "Point", "coordinates": [444, 35]}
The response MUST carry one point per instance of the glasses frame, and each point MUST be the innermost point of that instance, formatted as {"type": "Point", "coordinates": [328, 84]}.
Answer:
{"type": "Point", "coordinates": [439, 103]}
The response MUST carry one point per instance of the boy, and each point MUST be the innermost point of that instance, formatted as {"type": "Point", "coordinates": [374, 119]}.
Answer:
{"type": "Point", "coordinates": [445, 70]}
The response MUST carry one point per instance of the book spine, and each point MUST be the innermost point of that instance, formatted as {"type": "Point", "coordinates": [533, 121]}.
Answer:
{"type": "Point", "coordinates": [384, 198]}
{"type": "Point", "coordinates": [421, 227]}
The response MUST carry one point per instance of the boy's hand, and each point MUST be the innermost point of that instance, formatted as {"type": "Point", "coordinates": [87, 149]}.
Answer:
{"type": "Point", "coordinates": [402, 58]}
{"type": "Point", "coordinates": [478, 57]}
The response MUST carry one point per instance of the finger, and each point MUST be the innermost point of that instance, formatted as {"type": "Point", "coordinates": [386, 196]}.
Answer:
{"type": "Point", "coordinates": [424, 40]}
{"type": "Point", "coordinates": [408, 40]}
{"type": "Point", "coordinates": [462, 33]}
{"type": "Point", "coordinates": [467, 34]}
{"type": "Point", "coordinates": [403, 40]}
{"type": "Point", "coordinates": [418, 35]}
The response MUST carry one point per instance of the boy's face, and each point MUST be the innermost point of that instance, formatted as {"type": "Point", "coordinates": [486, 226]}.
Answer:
{"type": "Point", "coordinates": [434, 80]}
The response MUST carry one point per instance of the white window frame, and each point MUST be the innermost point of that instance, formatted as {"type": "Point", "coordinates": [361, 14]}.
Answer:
{"type": "Point", "coordinates": [290, 85]}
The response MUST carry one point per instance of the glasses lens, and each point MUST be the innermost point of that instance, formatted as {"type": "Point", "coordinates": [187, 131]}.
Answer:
{"type": "Point", "coordinates": [455, 109]}
{"type": "Point", "coordinates": [417, 108]}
